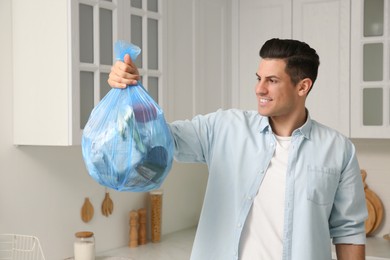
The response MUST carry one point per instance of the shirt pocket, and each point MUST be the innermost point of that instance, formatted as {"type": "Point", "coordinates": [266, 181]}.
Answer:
{"type": "Point", "coordinates": [322, 183]}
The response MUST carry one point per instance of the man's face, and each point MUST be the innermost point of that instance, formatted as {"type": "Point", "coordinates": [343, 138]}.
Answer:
{"type": "Point", "coordinates": [276, 94]}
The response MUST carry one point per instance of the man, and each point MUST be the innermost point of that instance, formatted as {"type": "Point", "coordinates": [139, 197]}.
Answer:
{"type": "Point", "coordinates": [280, 184]}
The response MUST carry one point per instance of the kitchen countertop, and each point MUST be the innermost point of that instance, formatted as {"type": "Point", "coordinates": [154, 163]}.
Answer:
{"type": "Point", "coordinates": [177, 246]}
{"type": "Point", "coordinates": [174, 246]}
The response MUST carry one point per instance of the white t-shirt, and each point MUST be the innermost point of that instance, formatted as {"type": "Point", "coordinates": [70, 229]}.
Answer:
{"type": "Point", "coordinates": [262, 236]}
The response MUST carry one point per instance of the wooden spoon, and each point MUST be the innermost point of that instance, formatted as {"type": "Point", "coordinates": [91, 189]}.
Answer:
{"type": "Point", "coordinates": [87, 211]}
{"type": "Point", "coordinates": [107, 205]}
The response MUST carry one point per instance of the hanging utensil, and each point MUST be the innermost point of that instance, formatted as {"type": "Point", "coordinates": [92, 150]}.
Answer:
{"type": "Point", "coordinates": [87, 211]}
{"type": "Point", "coordinates": [374, 207]}
{"type": "Point", "coordinates": [107, 205]}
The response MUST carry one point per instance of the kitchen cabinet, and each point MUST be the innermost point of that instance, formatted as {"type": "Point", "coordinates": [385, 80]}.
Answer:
{"type": "Point", "coordinates": [325, 26]}
{"type": "Point", "coordinates": [258, 21]}
{"type": "Point", "coordinates": [370, 69]}
{"type": "Point", "coordinates": [199, 57]}
{"type": "Point", "coordinates": [63, 53]}
{"type": "Point", "coordinates": [322, 24]}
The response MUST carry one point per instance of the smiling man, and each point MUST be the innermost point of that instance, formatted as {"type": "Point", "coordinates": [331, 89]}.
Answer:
{"type": "Point", "coordinates": [280, 185]}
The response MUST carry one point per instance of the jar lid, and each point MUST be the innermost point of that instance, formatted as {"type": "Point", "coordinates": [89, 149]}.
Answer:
{"type": "Point", "coordinates": [156, 192]}
{"type": "Point", "coordinates": [84, 234]}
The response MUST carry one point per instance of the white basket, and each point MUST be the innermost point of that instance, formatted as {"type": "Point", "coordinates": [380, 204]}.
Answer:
{"type": "Point", "coordinates": [20, 247]}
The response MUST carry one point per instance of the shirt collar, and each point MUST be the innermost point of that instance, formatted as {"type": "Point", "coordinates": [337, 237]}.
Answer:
{"type": "Point", "coordinates": [264, 124]}
{"type": "Point", "coordinates": [304, 130]}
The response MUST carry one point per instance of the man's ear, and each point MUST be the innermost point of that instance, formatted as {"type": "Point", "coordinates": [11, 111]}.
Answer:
{"type": "Point", "coordinates": [304, 86]}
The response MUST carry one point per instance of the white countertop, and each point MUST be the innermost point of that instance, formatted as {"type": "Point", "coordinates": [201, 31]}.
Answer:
{"type": "Point", "coordinates": [177, 246]}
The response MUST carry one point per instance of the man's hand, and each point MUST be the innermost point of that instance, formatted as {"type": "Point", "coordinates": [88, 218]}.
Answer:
{"type": "Point", "coordinates": [350, 252]}
{"type": "Point", "coordinates": [123, 73]}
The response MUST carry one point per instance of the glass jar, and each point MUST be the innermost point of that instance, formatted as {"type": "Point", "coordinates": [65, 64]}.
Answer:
{"type": "Point", "coordinates": [156, 197]}
{"type": "Point", "coordinates": [84, 246]}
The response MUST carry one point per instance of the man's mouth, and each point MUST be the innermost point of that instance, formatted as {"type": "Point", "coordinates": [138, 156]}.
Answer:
{"type": "Point", "coordinates": [264, 100]}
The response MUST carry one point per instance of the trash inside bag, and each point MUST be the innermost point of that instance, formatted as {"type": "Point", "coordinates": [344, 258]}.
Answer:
{"type": "Point", "coordinates": [126, 143]}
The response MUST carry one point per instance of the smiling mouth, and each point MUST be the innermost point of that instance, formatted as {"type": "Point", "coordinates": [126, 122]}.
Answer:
{"type": "Point", "coordinates": [264, 100]}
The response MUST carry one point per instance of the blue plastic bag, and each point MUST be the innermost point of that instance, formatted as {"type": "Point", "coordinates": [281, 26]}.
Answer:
{"type": "Point", "coordinates": [126, 143]}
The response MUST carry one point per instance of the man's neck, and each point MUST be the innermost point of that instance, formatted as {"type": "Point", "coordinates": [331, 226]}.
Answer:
{"type": "Point", "coordinates": [283, 126]}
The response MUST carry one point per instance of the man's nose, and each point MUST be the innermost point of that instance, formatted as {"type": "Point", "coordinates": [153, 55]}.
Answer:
{"type": "Point", "coordinates": [260, 88]}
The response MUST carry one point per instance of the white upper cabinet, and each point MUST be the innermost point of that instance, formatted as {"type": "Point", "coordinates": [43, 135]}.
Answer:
{"type": "Point", "coordinates": [370, 69]}
{"type": "Point", "coordinates": [258, 21]}
{"type": "Point", "coordinates": [63, 53]}
{"type": "Point", "coordinates": [324, 25]}
{"type": "Point", "coordinates": [62, 56]}
{"type": "Point", "coordinates": [199, 57]}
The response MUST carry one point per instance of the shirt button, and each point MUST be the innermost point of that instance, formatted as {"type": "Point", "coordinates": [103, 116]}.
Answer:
{"type": "Point", "coordinates": [239, 225]}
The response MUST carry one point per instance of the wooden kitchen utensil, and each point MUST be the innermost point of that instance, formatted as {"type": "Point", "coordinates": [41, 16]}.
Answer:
{"type": "Point", "coordinates": [107, 205]}
{"type": "Point", "coordinates": [374, 207]}
{"type": "Point", "coordinates": [142, 226]}
{"type": "Point", "coordinates": [134, 222]}
{"type": "Point", "coordinates": [370, 221]}
{"type": "Point", "coordinates": [87, 211]}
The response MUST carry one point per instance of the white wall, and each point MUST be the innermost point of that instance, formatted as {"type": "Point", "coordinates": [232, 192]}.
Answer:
{"type": "Point", "coordinates": [42, 189]}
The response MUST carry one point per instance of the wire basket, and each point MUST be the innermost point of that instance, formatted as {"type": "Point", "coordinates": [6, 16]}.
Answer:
{"type": "Point", "coordinates": [20, 247]}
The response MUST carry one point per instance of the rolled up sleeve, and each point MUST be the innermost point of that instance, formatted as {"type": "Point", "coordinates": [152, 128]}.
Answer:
{"type": "Point", "coordinates": [347, 220]}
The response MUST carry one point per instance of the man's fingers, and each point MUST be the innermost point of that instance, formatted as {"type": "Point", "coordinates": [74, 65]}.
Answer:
{"type": "Point", "coordinates": [124, 70]}
{"type": "Point", "coordinates": [123, 73]}
{"type": "Point", "coordinates": [127, 59]}
{"type": "Point", "coordinates": [114, 84]}
{"type": "Point", "coordinates": [121, 79]}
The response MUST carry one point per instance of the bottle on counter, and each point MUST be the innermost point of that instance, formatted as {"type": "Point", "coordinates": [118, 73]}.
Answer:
{"type": "Point", "coordinates": [84, 246]}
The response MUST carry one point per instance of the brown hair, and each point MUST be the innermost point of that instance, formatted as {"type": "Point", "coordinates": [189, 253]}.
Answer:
{"type": "Point", "coordinates": [302, 61]}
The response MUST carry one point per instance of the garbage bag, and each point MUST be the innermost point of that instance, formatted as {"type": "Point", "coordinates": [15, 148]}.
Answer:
{"type": "Point", "coordinates": [126, 143]}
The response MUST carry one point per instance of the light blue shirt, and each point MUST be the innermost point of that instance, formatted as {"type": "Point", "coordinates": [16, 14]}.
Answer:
{"type": "Point", "coordinates": [324, 189]}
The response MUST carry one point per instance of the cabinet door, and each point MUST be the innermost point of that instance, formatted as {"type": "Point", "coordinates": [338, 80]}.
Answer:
{"type": "Point", "coordinates": [62, 56]}
{"type": "Point", "coordinates": [146, 30]}
{"type": "Point", "coordinates": [258, 22]}
{"type": "Point", "coordinates": [41, 80]}
{"type": "Point", "coordinates": [324, 25]}
{"type": "Point", "coordinates": [370, 69]}
{"type": "Point", "coordinates": [68, 45]}
{"type": "Point", "coordinates": [92, 49]}
{"type": "Point", "coordinates": [199, 57]}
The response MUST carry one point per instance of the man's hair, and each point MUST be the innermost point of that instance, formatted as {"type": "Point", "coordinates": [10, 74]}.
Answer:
{"type": "Point", "coordinates": [302, 61]}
